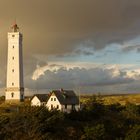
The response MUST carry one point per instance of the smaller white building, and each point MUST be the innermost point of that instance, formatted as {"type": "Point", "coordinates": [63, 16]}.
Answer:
{"type": "Point", "coordinates": [39, 99]}
{"type": "Point", "coordinates": [64, 100]}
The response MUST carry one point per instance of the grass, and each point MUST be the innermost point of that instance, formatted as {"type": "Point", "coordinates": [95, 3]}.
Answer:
{"type": "Point", "coordinates": [112, 99]}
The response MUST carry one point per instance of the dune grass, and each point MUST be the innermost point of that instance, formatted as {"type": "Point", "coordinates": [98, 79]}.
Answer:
{"type": "Point", "coordinates": [112, 99]}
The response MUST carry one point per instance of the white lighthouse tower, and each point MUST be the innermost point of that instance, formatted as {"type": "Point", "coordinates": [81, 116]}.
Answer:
{"type": "Point", "coordinates": [14, 84]}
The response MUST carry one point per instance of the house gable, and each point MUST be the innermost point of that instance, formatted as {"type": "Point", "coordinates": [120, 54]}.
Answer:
{"type": "Point", "coordinates": [53, 103]}
{"type": "Point", "coordinates": [39, 99]}
{"type": "Point", "coordinates": [35, 101]}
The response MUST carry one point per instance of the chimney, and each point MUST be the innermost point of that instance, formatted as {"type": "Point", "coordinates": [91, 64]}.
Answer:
{"type": "Point", "coordinates": [61, 90]}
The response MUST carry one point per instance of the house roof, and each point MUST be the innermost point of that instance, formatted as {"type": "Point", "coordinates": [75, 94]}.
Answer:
{"type": "Point", "coordinates": [66, 96]}
{"type": "Point", "coordinates": [41, 97]}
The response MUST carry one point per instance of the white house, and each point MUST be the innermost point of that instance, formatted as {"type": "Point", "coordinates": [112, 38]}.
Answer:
{"type": "Point", "coordinates": [39, 99]}
{"type": "Point", "coordinates": [64, 100]}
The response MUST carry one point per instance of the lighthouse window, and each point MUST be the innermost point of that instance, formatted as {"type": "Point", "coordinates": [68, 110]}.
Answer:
{"type": "Point", "coordinates": [12, 94]}
{"type": "Point", "coordinates": [12, 84]}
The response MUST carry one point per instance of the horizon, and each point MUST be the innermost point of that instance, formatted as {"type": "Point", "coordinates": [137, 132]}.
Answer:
{"type": "Point", "coordinates": [31, 92]}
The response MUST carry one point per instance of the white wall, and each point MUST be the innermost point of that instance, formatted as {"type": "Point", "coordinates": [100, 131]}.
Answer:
{"type": "Point", "coordinates": [69, 108]}
{"type": "Point", "coordinates": [77, 107]}
{"type": "Point", "coordinates": [35, 101]}
{"type": "Point", "coordinates": [54, 103]}
{"type": "Point", "coordinates": [15, 96]}
{"type": "Point", "coordinates": [14, 62]}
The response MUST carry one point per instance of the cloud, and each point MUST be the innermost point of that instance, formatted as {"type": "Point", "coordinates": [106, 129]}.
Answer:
{"type": "Point", "coordinates": [53, 76]}
{"type": "Point", "coordinates": [131, 45]}
{"type": "Point", "coordinates": [69, 28]}
{"type": "Point", "coordinates": [40, 71]}
{"type": "Point", "coordinates": [56, 27]}
{"type": "Point", "coordinates": [131, 48]}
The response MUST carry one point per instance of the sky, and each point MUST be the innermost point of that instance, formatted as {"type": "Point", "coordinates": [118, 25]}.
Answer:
{"type": "Point", "coordinates": [90, 46]}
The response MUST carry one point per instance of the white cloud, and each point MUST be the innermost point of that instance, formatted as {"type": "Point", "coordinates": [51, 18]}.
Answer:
{"type": "Point", "coordinates": [134, 74]}
{"type": "Point", "coordinates": [54, 76]}
{"type": "Point", "coordinates": [41, 70]}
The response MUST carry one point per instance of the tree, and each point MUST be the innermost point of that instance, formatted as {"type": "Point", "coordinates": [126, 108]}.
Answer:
{"type": "Point", "coordinates": [134, 133]}
{"type": "Point", "coordinates": [94, 132]}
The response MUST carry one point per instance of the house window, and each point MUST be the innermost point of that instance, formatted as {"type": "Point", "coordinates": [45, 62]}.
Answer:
{"type": "Point", "coordinates": [65, 106]}
{"type": "Point", "coordinates": [13, 35]}
{"type": "Point", "coordinates": [51, 99]}
{"type": "Point", "coordinates": [12, 94]}
{"type": "Point", "coordinates": [57, 106]}
{"type": "Point", "coordinates": [12, 70]}
{"type": "Point", "coordinates": [51, 106]}
{"type": "Point", "coordinates": [12, 84]}
{"type": "Point", "coordinates": [73, 107]}
{"type": "Point", "coordinates": [54, 99]}
{"type": "Point", "coordinates": [13, 46]}
{"type": "Point", "coordinates": [13, 57]}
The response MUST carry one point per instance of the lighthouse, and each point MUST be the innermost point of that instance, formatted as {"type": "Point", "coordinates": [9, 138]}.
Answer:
{"type": "Point", "coordinates": [14, 81]}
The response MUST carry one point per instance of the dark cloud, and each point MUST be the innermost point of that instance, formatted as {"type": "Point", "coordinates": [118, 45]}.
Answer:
{"type": "Point", "coordinates": [58, 27]}
{"type": "Point", "coordinates": [84, 52]}
{"type": "Point", "coordinates": [138, 49]}
{"type": "Point", "coordinates": [55, 27]}
{"type": "Point", "coordinates": [131, 48]}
